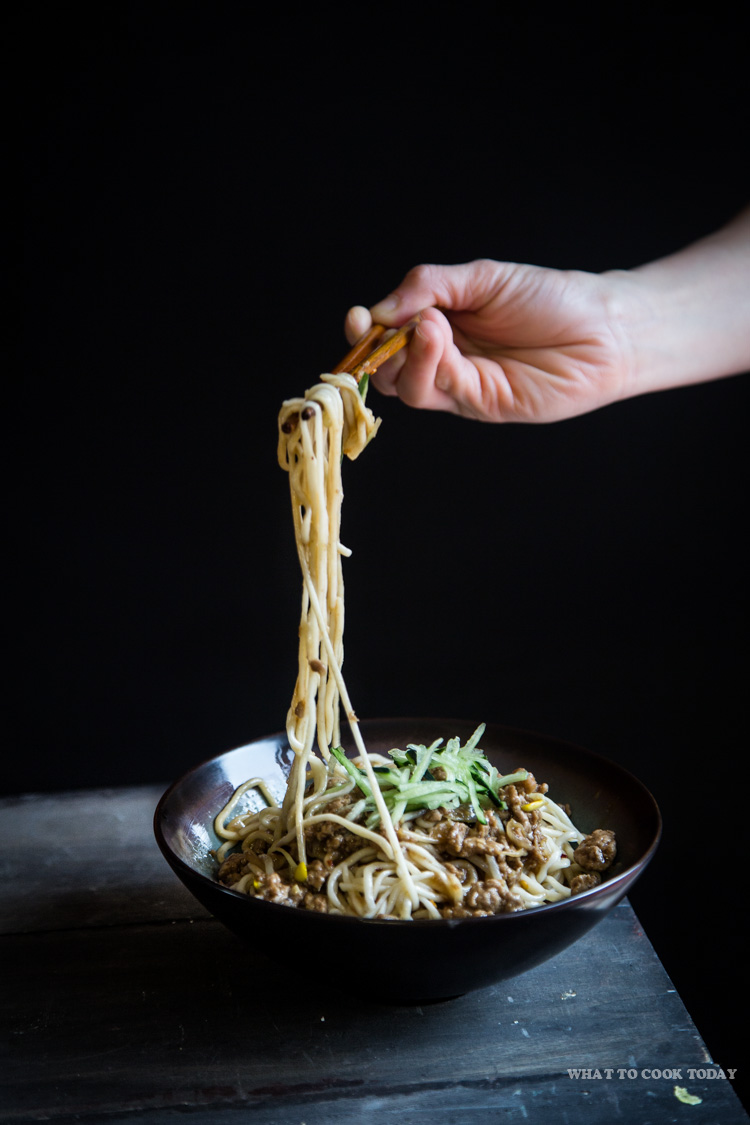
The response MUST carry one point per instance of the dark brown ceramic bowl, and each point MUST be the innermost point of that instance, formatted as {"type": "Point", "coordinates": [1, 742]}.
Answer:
{"type": "Point", "coordinates": [427, 960]}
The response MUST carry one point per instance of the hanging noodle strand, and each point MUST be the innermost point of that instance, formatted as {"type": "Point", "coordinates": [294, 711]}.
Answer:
{"type": "Point", "coordinates": [314, 434]}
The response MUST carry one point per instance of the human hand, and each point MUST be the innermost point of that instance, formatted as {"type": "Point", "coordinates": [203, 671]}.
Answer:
{"type": "Point", "coordinates": [508, 343]}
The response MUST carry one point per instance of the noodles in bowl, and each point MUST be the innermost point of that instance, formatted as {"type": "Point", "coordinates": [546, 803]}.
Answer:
{"type": "Point", "coordinates": [429, 831]}
{"type": "Point", "coordinates": [452, 848]}
{"type": "Point", "coordinates": [428, 959]}
{"type": "Point", "coordinates": [473, 842]}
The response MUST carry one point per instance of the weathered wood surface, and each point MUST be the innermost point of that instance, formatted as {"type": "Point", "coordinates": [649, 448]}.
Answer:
{"type": "Point", "coordinates": [88, 859]}
{"type": "Point", "coordinates": [126, 1002]}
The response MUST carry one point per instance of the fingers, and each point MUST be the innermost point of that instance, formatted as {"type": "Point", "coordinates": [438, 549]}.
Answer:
{"type": "Point", "coordinates": [460, 288]}
{"type": "Point", "coordinates": [464, 287]}
{"type": "Point", "coordinates": [423, 374]}
{"type": "Point", "coordinates": [432, 373]}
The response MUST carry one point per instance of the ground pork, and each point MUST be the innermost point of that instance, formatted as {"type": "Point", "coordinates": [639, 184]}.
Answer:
{"type": "Point", "coordinates": [233, 868]}
{"type": "Point", "coordinates": [584, 882]}
{"type": "Point", "coordinates": [493, 896]}
{"type": "Point", "coordinates": [596, 851]}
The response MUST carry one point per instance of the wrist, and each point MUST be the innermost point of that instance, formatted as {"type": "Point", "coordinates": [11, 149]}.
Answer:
{"type": "Point", "coordinates": [649, 320]}
{"type": "Point", "coordinates": [687, 317]}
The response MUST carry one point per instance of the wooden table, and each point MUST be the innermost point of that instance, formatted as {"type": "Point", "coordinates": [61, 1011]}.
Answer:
{"type": "Point", "coordinates": [127, 1002]}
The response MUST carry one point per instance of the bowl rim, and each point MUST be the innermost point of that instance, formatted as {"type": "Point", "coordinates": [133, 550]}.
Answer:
{"type": "Point", "coordinates": [604, 889]}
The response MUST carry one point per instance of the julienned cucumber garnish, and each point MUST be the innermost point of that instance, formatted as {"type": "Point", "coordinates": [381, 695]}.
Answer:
{"type": "Point", "coordinates": [465, 778]}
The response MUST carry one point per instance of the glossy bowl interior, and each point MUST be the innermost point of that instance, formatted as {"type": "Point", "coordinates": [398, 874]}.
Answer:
{"type": "Point", "coordinates": [426, 960]}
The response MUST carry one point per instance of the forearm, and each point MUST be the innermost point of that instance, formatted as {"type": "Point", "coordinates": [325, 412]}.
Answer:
{"type": "Point", "coordinates": [688, 315]}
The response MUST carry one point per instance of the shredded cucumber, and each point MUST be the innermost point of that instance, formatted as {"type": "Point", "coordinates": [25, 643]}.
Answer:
{"type": "Point", "coordinates": [469, 779]}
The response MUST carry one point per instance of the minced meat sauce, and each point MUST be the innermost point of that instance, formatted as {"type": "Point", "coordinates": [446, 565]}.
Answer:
{"type": "Point", "coordinates": [457, 838]}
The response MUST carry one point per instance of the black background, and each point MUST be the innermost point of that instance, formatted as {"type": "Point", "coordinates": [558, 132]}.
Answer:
{"type": "Point", "coordinates": [209, 190]}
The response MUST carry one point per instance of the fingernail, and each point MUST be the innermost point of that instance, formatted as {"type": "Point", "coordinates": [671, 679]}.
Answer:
{"type": "Point", "coordinates": [386, 306]}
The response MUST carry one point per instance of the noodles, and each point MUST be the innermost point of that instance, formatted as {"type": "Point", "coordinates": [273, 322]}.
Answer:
{"type": "Point", "coordinates": [427, 832]}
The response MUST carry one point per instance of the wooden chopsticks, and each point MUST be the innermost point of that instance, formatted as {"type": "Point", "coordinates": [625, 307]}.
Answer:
{"type": "Point", "coordinates": [360, 351]}
{"type": "Point", "coordinates": [362, 360]}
